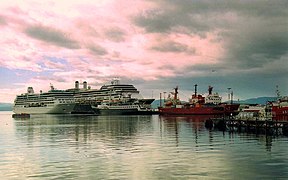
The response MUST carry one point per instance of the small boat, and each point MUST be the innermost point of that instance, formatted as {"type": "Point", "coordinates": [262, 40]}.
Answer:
{"type": "Point", "coordinates": [22, 115]}
{"type": "Point", "coordinates": [125, 107]}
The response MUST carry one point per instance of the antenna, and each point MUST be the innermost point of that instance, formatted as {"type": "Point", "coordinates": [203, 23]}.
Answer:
{"type": "Point", "coordinates": [278, 92]}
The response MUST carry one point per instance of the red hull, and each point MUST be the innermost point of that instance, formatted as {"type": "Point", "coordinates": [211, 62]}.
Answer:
{"type": "Point", "coordinates": [280, 113]}
{"type": "Point", "coordinates": [204, 110]}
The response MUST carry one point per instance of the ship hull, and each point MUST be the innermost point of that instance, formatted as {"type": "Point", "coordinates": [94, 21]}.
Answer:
{"type": "Point", "coordinates": [57, 109]}
{"type": "Point", "coordinates": [217, 110]}
{"type": "Point", "coordinates": [189, 111]}
{"type": "Point", "coordinates": [122, 110]}
{"type": "Point", "coordinates": [116, 111]}
{"type": "Point", "coordinates": [82, 109]}
{"type": "Point", "coordinates": [280, 113]}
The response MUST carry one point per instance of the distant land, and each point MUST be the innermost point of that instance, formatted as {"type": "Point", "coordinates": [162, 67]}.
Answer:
{"type": "Point", "coordinates": [156, 103]}
{"type": "Point", "coordinates": [258, 100]}
{"type": "Point", "coordinates": [6, 107]}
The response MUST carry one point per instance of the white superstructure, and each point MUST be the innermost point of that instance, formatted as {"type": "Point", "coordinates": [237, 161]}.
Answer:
{"type": "Point", "coordinates": [112, 93]}
{"type": "Point", "coordinates": [106, 106]}
{"type": "Point", "coordinates": [119, 109]}
{"type": "Point", "coordinates": [212, 98]}
{"type": "Point", "coordinates": [51, 102]}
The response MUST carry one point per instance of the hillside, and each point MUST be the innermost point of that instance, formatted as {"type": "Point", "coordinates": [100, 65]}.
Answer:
{"type": "Point", "coordinates": [258, 100]}
{"type": "Point", "coordinates": [6, 107]}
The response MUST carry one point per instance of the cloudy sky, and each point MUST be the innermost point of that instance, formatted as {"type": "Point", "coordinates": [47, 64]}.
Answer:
{"type": "Point", "coordinates": [153, 44]}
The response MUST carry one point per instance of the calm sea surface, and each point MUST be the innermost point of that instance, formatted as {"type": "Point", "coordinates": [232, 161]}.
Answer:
{"type": "Point", "coordinates": [134, 147]}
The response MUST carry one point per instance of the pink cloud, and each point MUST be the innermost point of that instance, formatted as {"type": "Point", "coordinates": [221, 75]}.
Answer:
{"type": "Point", "coordinates": [97, 39]}
{"type": "Point", "coordinates": [54, 65]}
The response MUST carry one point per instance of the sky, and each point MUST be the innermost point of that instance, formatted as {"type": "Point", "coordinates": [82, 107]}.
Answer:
{"type": "Point", "coordinates": [155, 45]}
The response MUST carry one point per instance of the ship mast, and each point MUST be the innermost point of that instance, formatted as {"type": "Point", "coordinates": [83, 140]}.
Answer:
{"type": "Point", "coordinates": [278, 92]}
{"type": "Point", "coordinates": [176, 93]}
{"type": "Point", "coordinates": [161, 100]}
{"type": "Point", "coordinates": [231, 97]}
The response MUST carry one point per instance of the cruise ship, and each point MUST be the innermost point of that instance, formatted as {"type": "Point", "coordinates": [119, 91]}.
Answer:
{"type": "Point", "coordinates": [115, 94]}
{"type": "Point", "coordinates": [51, 102]}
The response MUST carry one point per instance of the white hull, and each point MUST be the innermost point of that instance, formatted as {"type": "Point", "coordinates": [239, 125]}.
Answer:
{"type": "Point", "coordinates": [115, 110]}
{"type": "Point", "coordinates": [120, 110]}
{"type": "Point", "coordinates": [57, 109]}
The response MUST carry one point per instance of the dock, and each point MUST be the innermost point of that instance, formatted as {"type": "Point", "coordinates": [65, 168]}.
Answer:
{"type": "Point", "coordinates": [269, 126]}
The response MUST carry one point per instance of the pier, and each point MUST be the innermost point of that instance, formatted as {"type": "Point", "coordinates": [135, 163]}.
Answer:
{"type": "Point", "coordinates": [267, 126]}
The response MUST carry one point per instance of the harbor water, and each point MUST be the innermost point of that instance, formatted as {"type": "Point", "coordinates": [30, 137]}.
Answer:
{"type": "Point", "coordinates": [134, 147]}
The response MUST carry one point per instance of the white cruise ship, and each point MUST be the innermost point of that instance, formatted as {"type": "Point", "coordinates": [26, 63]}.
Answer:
{"type": "Point", "coordinates": [114, 93]}
{"type": "Point", "coordinates": [51, 102]}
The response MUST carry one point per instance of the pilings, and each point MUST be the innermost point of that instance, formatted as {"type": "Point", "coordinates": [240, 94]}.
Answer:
{"type": "Point", "coordinates": [257, 126]}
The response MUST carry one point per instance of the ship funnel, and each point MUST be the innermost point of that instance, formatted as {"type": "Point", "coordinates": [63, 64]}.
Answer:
{"type": "Point", "coordinates": [30, 90]}
{"type": "Point", "coordinates": [85, 85]}
{"type": "Point", "coordinates": [52, 87]}
{"type": "Point", "coordinates": [115, 81]}
{"type": "Point", "coordinates": [195, 90]}
{"type": "Point", "coordinates": [176, 93]}
{"type": "Point", "coordinates": [210, 88]}
{"type": "Point", "coordinates": [76, 84]}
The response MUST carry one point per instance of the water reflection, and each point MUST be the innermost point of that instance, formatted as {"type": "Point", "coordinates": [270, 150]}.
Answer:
{"type": "Point", "coordinates": [79, 128]}
{"type": "Point", "coordinates": [197, 125]}
{"type": "Point", "coordinates": [238, 151]}
{"type": "Point", "coordinates": [134, 147]}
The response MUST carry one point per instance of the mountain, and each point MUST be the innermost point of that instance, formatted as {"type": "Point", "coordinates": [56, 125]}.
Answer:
{"type": "Point", "coordinates": [156, 103]}
{"type": "Point", "coordinates": [258, 100]}
{"type": "Point", "coordinates": [6, 107]}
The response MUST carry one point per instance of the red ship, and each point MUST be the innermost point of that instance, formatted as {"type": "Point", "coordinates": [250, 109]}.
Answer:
{"type": "Point", "coordinates": [279, 109]}
{"type": "Point", "coordinates": [198, 105]}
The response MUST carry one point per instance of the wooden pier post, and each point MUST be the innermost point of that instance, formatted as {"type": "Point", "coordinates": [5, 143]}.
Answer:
{"type": "Point", "coordinates": [268, 127]}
